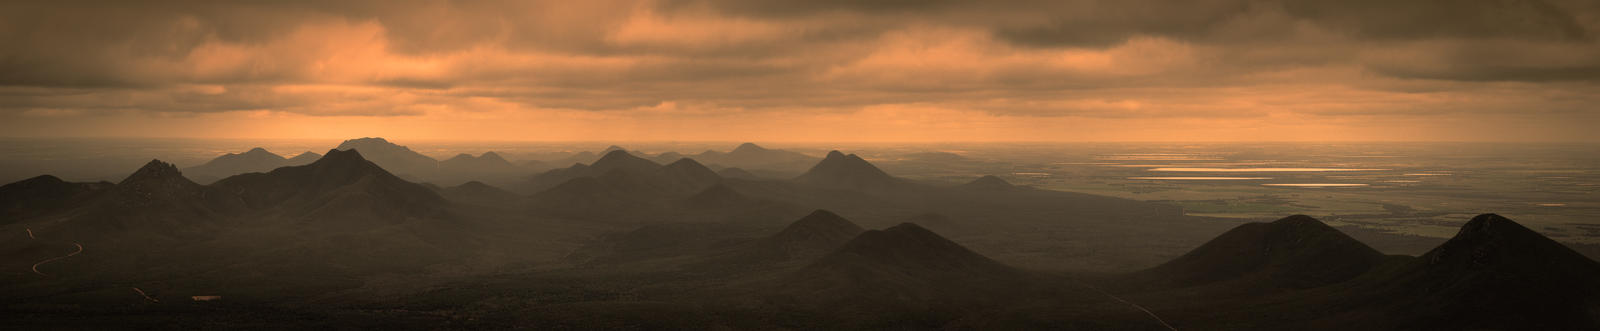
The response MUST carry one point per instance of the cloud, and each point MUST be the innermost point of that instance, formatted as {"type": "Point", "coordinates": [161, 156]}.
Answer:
{"type": "Point", "coordinates": [706, 61]}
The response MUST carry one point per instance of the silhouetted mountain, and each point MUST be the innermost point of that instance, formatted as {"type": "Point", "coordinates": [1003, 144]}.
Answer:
{"type": "Point", "coordinates": [342, 185]}
{"type": "Point", "coordinates": [839, 170]}
{"type": "Point", "coordinates": [989, 183]}
{"type": "Point", "coordinates": [487, 166]}
{"type": "Point", "coordinates": [398, 159]}
{"type": "Point", "coordinates": [752, 156]}
{"type": "Point", "coordinates": [901, 265]}
{"type": "Point", "coordinates": [616, 160]}
{"type": "Point", "coordinates": [737, 173]}
{"type": "Point", "coordinates": [1294, 252]}
{"type": "Point", "coordinates": [718, 196]}
{"type": "Point", "coordinates": [598, 197]}
{"type": "Point", "coordinates": [1494, 274]}
{"type": "Point", "coordinates": [156, 199]}
{"type": "Point", "coordinates": [255, 160]}
{"type": "Point", "coordinates": [686, 175]}
{"type": "Point", "coordinates": [303, 159]}
{"type": "Point", "coordinates": [814, 235]}
{"type": "Point", "coordinates": [619, 159]}
{"type": "Point", "coordinates": [43, 195]}
{"type": "Point", "coordinates": [666, 157]}
{"type": "Point", "coordinates": [479, 193]}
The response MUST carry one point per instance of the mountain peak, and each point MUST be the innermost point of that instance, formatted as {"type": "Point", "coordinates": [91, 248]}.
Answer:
{"type": "Point", "coordinates": [989, 182]}
{"type": "Point", "coordinates": [748, 147]}
{"type": "Point", "coordinates": [491, 155]}
{"type": "Point", "coordinates": [913, 249]}
{"type": "Point", "coordinates": [365, 140]}
{"type": "Point", "coordinates": [155, 169]}
{"type": "Point", "coordinates": [821, 223]}
{"type": "Point", "coordinates": [1493, 240]}
{"type": "Point", "coordinates": [336, 155]}
{"type": "Point", "coordinates": [621, 159]}
{"type": "Point", "coordinates": [1493, 225]}
{"type": "Point", "coordinates": [257, 150]}
{"type": "Point", "coordinates": [847, 170]}
{"type": "Point", "coordinates": [1296, 252]}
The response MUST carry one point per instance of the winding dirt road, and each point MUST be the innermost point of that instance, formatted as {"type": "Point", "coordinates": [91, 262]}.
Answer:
{"type": "Point", "coordinates": [1130, 303]}
{"type": "Point", "coordinates": [36, 265]}
{"type": "Point", "coordinates": [146, 296]}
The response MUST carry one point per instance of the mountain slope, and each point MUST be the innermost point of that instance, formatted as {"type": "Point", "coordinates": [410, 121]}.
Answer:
{"type": "Point", "coordinates": [255, 160]}
{"type": "Point", "coordinates": [158, 199]}
{"type": "Point", "coordinates": [1294, 252]}
{"type": "Point", "coordinates": [839, 170]}
{"type": "Point", "coordinates": [341, 185]}
{"type": "Point", "coordinates": [398, 159]}
{"type": "Point", "coordinates": [904, 265]}
{"type": "Point", "coordinates": [1494, 274]}
{"type": "Point", "coordinates": [43, 195]}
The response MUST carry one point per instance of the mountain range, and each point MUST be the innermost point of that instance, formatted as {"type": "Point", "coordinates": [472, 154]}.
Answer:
{"type": "Point", "coordinates": [630, 242]}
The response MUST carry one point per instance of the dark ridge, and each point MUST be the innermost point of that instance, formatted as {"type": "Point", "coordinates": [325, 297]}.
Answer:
{"type": "Point", "coordinates": [1294, 252]}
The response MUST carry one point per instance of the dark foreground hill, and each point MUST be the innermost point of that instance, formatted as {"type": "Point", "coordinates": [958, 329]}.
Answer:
{"type": "Point", "coordinates": [901, 265]}
{"type": "Point", "coordinates": [1293, 252]}
{"type": "Point", "coordinates": [1494, 274]}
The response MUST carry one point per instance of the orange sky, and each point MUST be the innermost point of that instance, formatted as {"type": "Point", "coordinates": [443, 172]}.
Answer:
{"type": "Point", "coordinates": [1212, 70]}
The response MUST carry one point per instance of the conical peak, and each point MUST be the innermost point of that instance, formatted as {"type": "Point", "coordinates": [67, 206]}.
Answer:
{"type": "Point", "coordinates": [911, 228]}
{"type": "Point", "coordinates": [748, 147]}
{"type": "Point", "coordinates": [825, 219]}
{"type": "Point", "coordinates": [1491, 224]}
{"type": "Point", "coordinates": [491, 156]}
{"type": "Point", "coordinates": [821, 227]}
{"type": "Point", "coordinates": [42, 180]}
{"type": "Point", "coordinates": [342, 155]}
{"type": "Point", "coordinates": [834, 154]}
{"type": "Point", "coordinates": [1299, 221]}
{"type": "Point", "coordinates": [365, 140]}
{"type": "Point", "coordinates": [616, 153]}
{"type": "Point", "coordinates": [687, 163]}
{"type": "Point", "coordinates": [257, 150]}
{"type": "Point", "coordinates": [990, 182]}
{"type": "Point", "coordinates": [155, 169]}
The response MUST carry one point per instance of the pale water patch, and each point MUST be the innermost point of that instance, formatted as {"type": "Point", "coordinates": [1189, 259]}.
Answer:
{"type": "Point", "coordinates": [1316, 185]}
{"type": "Point", "coordinates": [1550, 204]}
{"type": "Point", "coordinates": [1200, 178]}
{"type": "Point", "coordinates": [1262, 169]}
